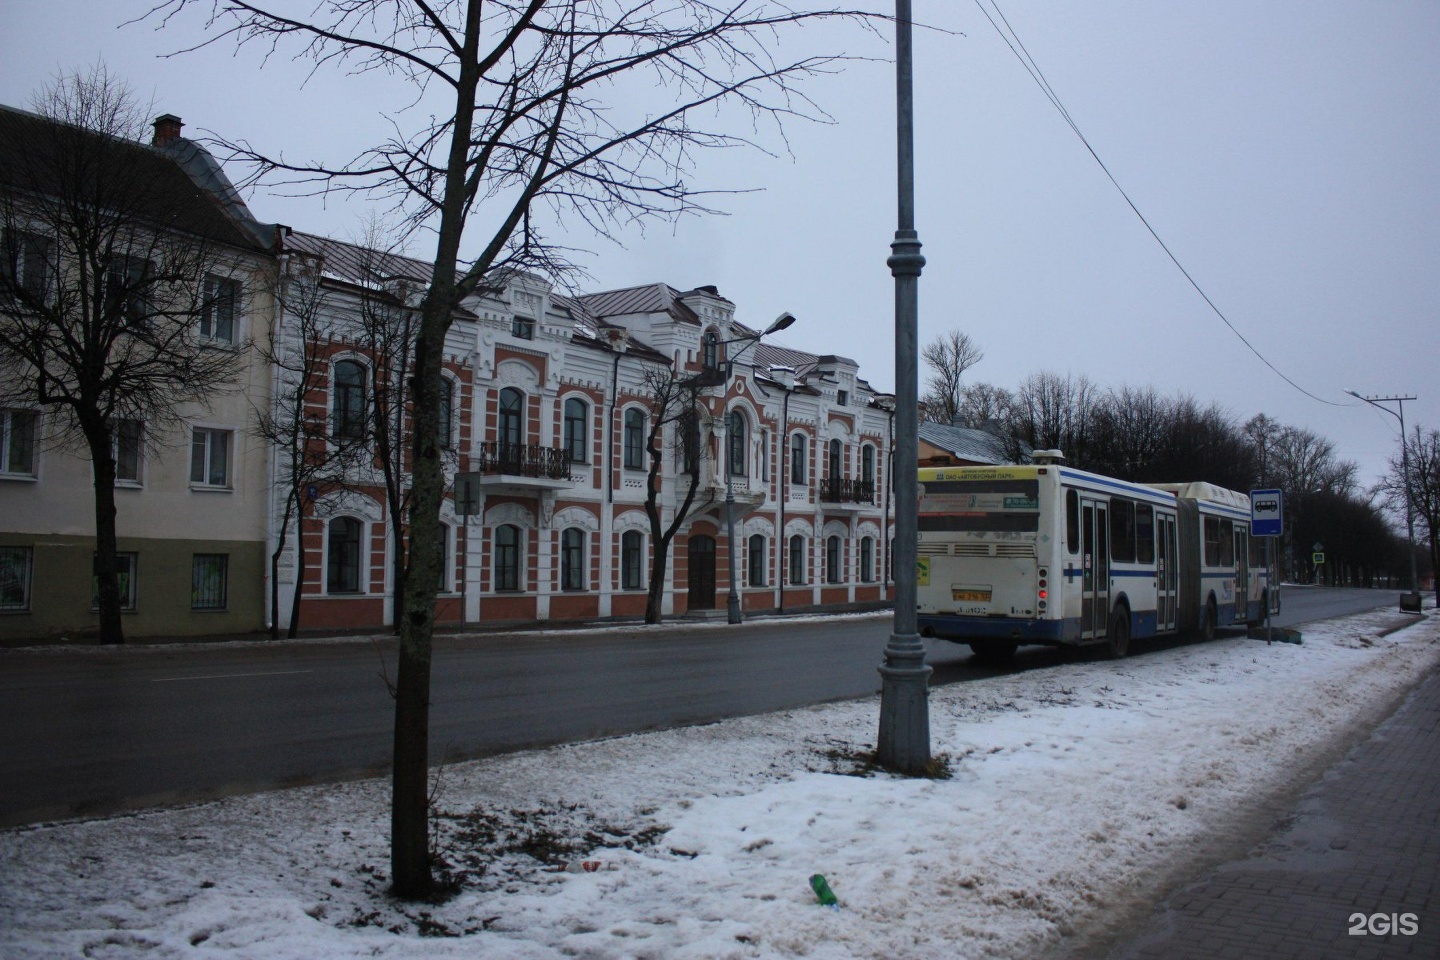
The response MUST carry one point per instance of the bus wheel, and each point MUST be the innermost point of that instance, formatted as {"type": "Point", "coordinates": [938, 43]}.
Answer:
{"type": "Point", "coordinates": [1118, 641]}
{"type": "Point", "coordinates": [1207, 626]}
{"type": "Point", "coordinates": [993, 651]}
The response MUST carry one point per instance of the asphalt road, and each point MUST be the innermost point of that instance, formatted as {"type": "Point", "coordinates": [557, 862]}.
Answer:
{"type": "Point", "coordinates": [93, 730]}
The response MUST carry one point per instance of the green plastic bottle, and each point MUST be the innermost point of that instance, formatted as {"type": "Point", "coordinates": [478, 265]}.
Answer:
{"type": "Point", "coordinates": [822, 891]}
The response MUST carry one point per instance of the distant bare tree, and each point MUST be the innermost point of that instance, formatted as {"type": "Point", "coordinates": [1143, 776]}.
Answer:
{"type": "Point", "coordinates": [1055, 412]}
{"type": "Point", "coordinates": [1131, 427]}
{"type": "Point", "coordinates": [948, 356]}
{"type": "Point", "coordinates": [105, 283]}
{"type": "Point", "coordinates": [984, 406]}
{"type": "Point", "coordinates": [1423, 489]}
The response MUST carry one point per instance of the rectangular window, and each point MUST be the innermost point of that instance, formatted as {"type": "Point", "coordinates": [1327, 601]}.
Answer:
{"type": "Point", "coordinates": [127, 293]}
{"type": "Point", "coordinates": [765, 456]}
{"type": "Point", "coordinates": [126, 572]}
{"type": "Point", "coordinates": [634, 439]}
{"type": "Point", "coordinates": [210, 457]}
{"type": "Point", "coordinates": [1212, 541]}
{"type": "Point", "coordinates": [25, 267]}
{"type": "Point", "coordinates": [16, 565]}
{"type": "Point", "coordinates": [797, 458]}
{"type": "Point", "coordinates": [867, 560]}
{"type": "Point", "coordinates": [1122, 531]}
{"type": "Point", "coordinates": [842, 398]}
{"type": "Point", "coordinates": [832, 560]}
{"type": "Point", "coordinates": [797, 560]}
{"type": "Point", "coordinates": [1227, 543]}
{"type": "Point", "coordinates": [1144, 533]}
{"type": "Point", "coordinates": [522, 327]}
{"type": "Point", "coordinates": [756, 560]}
{"type": "Point", "coordinates": [129, 442]}
{"type": "Point", "coordinates": [572, 559]}
{"type": "Point", "coordinates": [217, 313]}
{"type": "Point", "coordinates": [17, 442]}
{"type": "Point", "coordinates": [209, 581]}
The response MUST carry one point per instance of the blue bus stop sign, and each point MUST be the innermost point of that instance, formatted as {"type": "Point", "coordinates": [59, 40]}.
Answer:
{"type": "Point", "coordinates": [1266, 518]}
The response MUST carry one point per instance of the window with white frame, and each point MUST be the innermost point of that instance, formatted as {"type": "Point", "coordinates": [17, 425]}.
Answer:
{"type": "Point", "coordinates": [129, 449]}
{"type": "Point", "coordinates": [634, 456]}
{"type": "Point", "coordinates": [127, 568]}
{"type": "Point", "coordinates": [572, 559]}
{"type": "Point", "coordinates": [446, 430]}
{"type": "Point", "coordinates": [342, 555]}
{"type": "Point", "coordinates": [209, 581]}
{"type": "Point", "coordinates": [735, 441]}
{"type": "Point", "coordinates": [797, 560]}
{"type": "Point", "coordinates": [26, 268]}
{"type": "Point", "coordinates": [632, 554]}
{"type": "Point", "coordinates": [798, 448]}
{"type": "Point", "coordinates": [17, 442]}
{"type": "Point", "coordinates": [756, 560]}
{"type": "Point", "coordinates": [127, 293]}
{"type": "Point", "coordinates": [522, 327]}
{"type": "Point", "coordinates": [348, 401]}
{"type": "Point", "coordinates": [210, 457]}
{"type": "Point", "coordinates": [217, 310]}
{"type": "Point", "coordinates": [506, 575]}
{"type": "Point", "coordinates": [17, 566]}
{"type": "Point", "coordinates": [832, 560]}
{"type": "Point", "coordinates": [577, 423]}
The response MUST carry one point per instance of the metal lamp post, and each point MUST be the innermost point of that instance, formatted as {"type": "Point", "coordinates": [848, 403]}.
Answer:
{"type": "Point", "coordinates": [904, 740]}
{"type": "Point", "coordinates": [1405, 469]}
{"type": "Point", "coordinates": [732, 602]}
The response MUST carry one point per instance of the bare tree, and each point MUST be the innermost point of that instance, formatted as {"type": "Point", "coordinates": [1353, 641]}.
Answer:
{"type": "Point", "coordinates": [112, 276]}
{"type": "Point", "coordinates": [522, 108]}
{"type": "Point", "coordinates": [674, 413]}
{"type": "Point", "coordinates": [1422, 487]}
{"type": "Point", "coordinates": [948, 356]}
{"type": "Point", "coordinates": [1054, 412]}
{"type": "Point", "coordinates": [311, 457]}
{"type": "Point", "coordinates": [985, 406]}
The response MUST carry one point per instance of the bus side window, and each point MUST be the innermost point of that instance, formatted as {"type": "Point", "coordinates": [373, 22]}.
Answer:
{"type": "Point", "coordinates": [1227, 543]}
{"type": "Point", "coordinates": [1072, 521]}
{"type": "Point", "coordinates": [1212, 541]}
{"type": "Point", "coordinates": [1122, 531]}
{"type": "Point", "coordinates": [1145, 533]}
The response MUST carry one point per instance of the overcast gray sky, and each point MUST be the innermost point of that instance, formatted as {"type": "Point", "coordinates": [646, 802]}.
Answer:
{"type": "Point", "coordinates": [1285, 151]}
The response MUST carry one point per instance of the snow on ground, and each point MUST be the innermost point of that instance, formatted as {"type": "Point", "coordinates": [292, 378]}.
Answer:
{"type": "Point", "coordinates": [1074, 788]}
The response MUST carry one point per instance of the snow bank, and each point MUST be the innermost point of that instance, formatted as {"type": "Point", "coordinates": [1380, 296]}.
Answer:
{"type": "Point", "coordinates": [1073, 788]}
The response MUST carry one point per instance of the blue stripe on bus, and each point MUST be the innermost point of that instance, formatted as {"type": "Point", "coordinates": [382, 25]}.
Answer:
{"type": "Point", "coordinates": [1164, 497]}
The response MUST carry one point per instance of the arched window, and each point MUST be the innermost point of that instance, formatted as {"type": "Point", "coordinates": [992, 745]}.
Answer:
{"type": "Point", "coordinates": [710, 350]}
{"type": "Point", "coordinates": [836, 462]}
{"type": "Point", "coordinates": [572, 559]}
{"type": "Point", "coordinates": [510, 428]}
{"type": "Point", "coordinates": [446, 432]}
{"type": "Point", "coordinates": [757, 560]}
{"type": "Point", "coordinates": [634, 439]}
{"type": "Point", "coordinates": [735, 440]}
{"type": "Point", "coordinates": [867, 558]}
{"type": "Point", "coordinates": [832, 559]}
{"type": "Point", "coordinates": [797, 560]}
{"type": "Point", "coordinates": [797, 458]}
{"type": "Point", "coordinates": [577, 417]}
{"type": "Point", "coordinates": [342, 556]}
{"type": "Point", "coordinates": [632, 557]}
{"type": "Point", "coordinates": [507, 558]}
{"type": "Point", "coordinates": [867, 464]}
{"type": "Point", "coordinates": [347, 408]}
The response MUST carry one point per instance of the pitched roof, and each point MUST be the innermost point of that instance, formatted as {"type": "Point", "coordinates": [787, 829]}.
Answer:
{"type": "Point", "coordinates": [649, 298]}
{"type": "Point", "coordinates": [964, 443]}
{"type": "Point", "coordinates": [359, 265]}
{"type": "Point", "coordinates": [178, 187]}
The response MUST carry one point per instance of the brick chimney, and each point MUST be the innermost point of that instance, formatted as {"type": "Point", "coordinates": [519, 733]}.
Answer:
{"type": "Point", "coordinates": [167, 130]}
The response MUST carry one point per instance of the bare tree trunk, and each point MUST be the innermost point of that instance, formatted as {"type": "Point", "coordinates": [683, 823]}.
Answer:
{"type": "Point", "coordinates": [107, 561]}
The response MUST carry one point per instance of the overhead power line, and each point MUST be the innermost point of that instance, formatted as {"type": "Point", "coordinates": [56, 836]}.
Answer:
{"type": "Point", "coordinates": [1017, 47]}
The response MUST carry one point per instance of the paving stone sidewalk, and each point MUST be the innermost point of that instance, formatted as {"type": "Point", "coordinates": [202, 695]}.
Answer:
{"type": "Point", "coordinates": [1363, 841]}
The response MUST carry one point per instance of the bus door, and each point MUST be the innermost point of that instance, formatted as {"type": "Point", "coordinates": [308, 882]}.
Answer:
{"type": "Point", "coordinates": [1242, 573]}
{"type": "Point", "coordinates": [1095, 578]}
{"type": "Point", "coordinates": [1167, 573]}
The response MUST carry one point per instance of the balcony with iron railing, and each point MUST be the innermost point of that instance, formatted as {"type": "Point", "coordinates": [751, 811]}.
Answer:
{"type": "Point", "coordinates": [522, 460]}
{"type": "Point", "coordinates": [846, 492]}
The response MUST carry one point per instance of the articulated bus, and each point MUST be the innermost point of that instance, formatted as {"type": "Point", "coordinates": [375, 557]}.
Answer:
{"type": "Point", "coordinates": [1051, 555]}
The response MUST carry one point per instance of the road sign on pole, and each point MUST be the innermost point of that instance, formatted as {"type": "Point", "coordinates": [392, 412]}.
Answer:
{"type": "Point", "coordinates": [1266, 513]}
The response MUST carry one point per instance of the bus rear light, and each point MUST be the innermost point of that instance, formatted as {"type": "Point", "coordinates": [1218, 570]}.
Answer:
{"type": "Point", "coordinates": [1043, 595]}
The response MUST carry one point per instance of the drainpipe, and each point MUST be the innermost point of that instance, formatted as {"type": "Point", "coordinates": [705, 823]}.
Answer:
{"type": "Point", "coordinates": [782, 545]}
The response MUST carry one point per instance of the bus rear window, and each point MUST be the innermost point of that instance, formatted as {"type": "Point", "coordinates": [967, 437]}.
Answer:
{"type": "Point", "coordinates": [992, 506]}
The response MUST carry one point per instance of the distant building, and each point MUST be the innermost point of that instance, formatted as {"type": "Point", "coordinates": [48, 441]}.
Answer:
{"type": "Point", "coordinates": [946, 444]}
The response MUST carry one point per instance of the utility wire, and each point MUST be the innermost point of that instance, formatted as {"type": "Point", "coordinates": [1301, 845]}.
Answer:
{"type": "Point", "coordinates": [1031, 67]}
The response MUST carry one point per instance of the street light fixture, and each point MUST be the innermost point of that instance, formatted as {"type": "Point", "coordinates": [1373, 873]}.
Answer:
{"type": "Point", "coordinates": [732, 602]}
{"type": "Point", "coordinates": [1414, 597]}
{"type": "Point", "coordinates": [904, 739]}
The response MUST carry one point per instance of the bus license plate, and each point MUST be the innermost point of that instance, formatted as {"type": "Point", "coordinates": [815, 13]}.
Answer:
{"type": "Point", "coordinates": [970, 596]}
